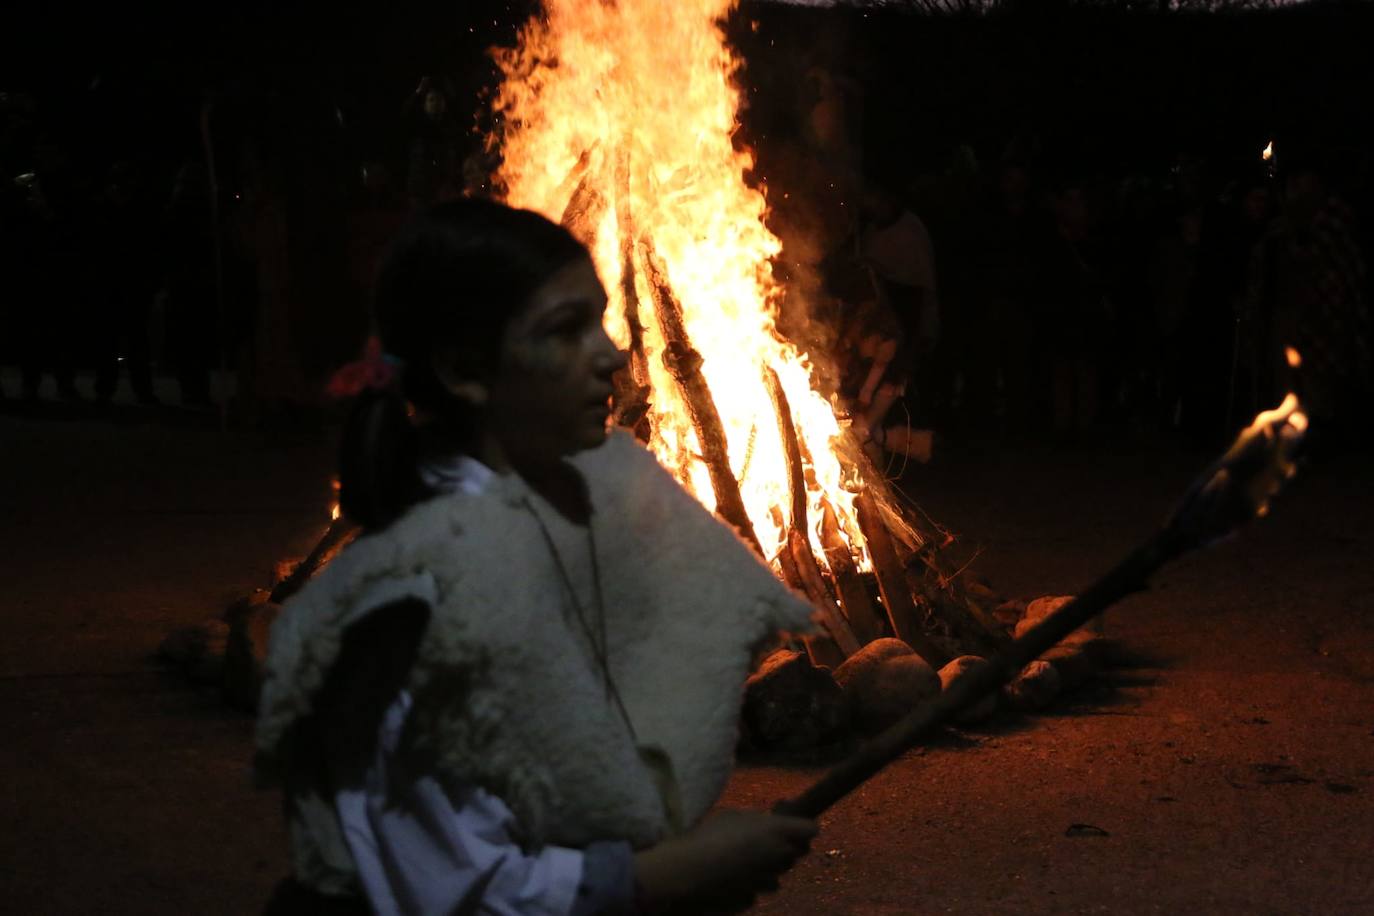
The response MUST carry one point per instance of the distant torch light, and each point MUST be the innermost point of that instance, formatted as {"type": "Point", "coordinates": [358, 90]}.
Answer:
{"type": "Point", "coordinates": [1294, 357]}
{"type": "Point", "coordinates": [1268, 152]}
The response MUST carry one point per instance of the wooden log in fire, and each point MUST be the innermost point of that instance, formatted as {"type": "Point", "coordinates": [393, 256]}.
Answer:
{"type": "Point", "coordinates": [892, 585]}
{"type": "Point", "coordinates": [576, 173]}
{"type": "Point", "coordinates": [841, 626]}
{"type": "Point", "coordinates": [858, 607]}
{"type": "Point", "coordinates": [799, 548]}
{"type": "Point", "coordinates": [683, 363]}
{"type": "Point", "coordinates": [791, 447]}
{"type": "Point", "coordinates": [629, 291]}
{"type": "Point", "coordinates": [633, 390]}
{"type": "Point", "coordinates": [822, 649]}
{"type": "Point", "coordinates": [586, 208]}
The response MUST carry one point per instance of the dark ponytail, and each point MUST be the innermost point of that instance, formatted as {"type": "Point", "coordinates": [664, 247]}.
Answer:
{"type": "Point", "coordinates": [378, 460]}
{"type": "Point", "coordinates": [452, 278]}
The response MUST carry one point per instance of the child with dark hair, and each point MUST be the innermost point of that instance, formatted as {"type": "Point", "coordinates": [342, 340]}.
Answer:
{"type": "Point", "coordinates": [518, 690]}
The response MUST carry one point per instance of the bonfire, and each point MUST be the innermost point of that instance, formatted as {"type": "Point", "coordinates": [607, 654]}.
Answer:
{"type": "Point", "coordinates": [619, 120]}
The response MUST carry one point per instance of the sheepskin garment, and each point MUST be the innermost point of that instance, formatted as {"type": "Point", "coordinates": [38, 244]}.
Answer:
{"type": "Point", "coordinates": [507, 695]}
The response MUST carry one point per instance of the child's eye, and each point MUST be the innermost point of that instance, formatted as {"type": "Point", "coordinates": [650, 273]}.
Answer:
{"type": "Point", "coordinates": [569, 327]}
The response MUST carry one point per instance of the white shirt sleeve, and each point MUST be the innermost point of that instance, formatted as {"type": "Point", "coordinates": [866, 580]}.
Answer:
{"type": "Point", "coordinates": [420, 851]}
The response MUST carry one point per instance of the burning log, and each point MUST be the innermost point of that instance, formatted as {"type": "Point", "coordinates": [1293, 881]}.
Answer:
{"type": "Point", "coordinates": [798, 544]}
{"type": "Point", "coordinates": [858, 607]}
{"type": "Point", "coordinates": [683, 363]}
{"type": "Point", "coordinates": [632, 388]}
{"type": "Point", "coordinates": [787, 431]}
{"type": "Point", "coordinates": [587, 206]}
{"type": "Point", "coordinates": [892, 585]}
{"type": "Point", "coordinates": [576, 173]}
{"type": "Point", "coordinates": [799, 570]}
{"type": "Point", "coordinates": [629, 291]}
{"type": "Point", "coordinates": [814, 586]}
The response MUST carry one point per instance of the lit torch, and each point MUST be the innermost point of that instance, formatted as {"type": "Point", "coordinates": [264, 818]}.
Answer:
{"type": "Point", "coordinates": [1267, 154]}
{"type": "Point", "coordinates": [1236, 488]}
{"type": "Point", "coordinates": [337, 536]}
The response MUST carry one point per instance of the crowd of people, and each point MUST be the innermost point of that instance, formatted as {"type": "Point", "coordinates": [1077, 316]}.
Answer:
{"type": "Point", "coordinates": [152, 263]}
{"type": "Point", "coordinates": [1066, 306]}
{"type": "Point", "coordinates": [1020, 298]}
{"type": "Point", "coordinates": [108, 261]}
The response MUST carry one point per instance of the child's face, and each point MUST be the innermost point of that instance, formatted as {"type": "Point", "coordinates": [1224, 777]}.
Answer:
{"type": "Point", "coordinates": [551, 395]}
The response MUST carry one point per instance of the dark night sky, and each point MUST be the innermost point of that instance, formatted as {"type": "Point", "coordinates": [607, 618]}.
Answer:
{"type": "Point", "coordinates": [1101, 84]}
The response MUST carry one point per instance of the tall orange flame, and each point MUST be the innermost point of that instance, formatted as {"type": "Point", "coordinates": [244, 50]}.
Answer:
{"type": "Point", "coordinates": [634, 103]}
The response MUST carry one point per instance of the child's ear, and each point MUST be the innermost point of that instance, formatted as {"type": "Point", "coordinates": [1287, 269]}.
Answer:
{"type": "Point", "coordinates": [461, 384]}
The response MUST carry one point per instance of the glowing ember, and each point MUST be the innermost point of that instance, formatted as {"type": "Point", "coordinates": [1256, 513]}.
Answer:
{"type": "Point", "coordinates": [619, 119]}
{"type": "Point", "coordinates": [1293, 356]}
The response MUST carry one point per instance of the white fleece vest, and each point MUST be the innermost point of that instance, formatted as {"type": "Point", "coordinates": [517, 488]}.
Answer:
{"type": "Point", "coordinates": [506, 695]}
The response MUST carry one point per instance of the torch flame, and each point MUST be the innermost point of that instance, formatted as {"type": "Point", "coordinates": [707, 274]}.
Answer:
{"type": "Point", "coordinates": [631, 108]}
{"type": "Point", "coordinates": [1268, 152]}
{"type": "Point", "coordinates": [1293, 356]}
{"type": "Point", "coordinates": [1280, 431]}
{"type": "Point", "coordinates": [1282, 414]}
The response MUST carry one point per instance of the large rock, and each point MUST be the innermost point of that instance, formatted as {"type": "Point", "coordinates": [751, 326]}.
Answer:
{"type": "Point", "coordinates": [883, 681]}
{"type": "Point", "coordinates": [250, 624]}
{"type": "Point", "coordinates": [862, 665]}
{"type": "Point", "coordinates": [790, 704]}
{"type": "Point", "coordinates": [984, 708]}
{"type": "Point", "coordinates": [1035, 687]}
{"type": "Point", "coordinates": [1044, 607]}
{"type": "Point", "coordinates": [899, 684]}
{"type": "Point", "coordinates": [1041, 608]}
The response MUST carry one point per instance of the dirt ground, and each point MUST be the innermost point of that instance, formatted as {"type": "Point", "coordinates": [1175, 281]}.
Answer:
{"type": "Point", "coordinates": [1234, 774]}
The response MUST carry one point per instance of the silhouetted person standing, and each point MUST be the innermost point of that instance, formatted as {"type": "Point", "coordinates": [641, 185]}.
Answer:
{"type": "Point", "coordinates": [434, 165]}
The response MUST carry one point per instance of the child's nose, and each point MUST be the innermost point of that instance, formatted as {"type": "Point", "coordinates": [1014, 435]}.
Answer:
{"type": "Point", "coordinates": [609, 358]}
